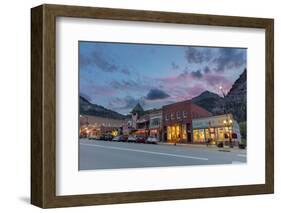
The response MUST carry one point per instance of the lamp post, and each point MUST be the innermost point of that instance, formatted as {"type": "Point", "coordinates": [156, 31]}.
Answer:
{"type": "Point", "coordinates": [228, 123]}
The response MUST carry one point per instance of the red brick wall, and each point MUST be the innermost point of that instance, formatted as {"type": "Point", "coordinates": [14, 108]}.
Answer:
{"type": "Point", "coordinates": [199, 112]}
{"type": "Point", "coordinates": [174, 108]}
{"type": "Point", "coordinates": [193, 111]}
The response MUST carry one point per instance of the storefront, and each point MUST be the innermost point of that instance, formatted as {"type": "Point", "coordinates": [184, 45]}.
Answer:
{"type": "Point", "coordinates": [155, 124]}
{"type": "Point", "coordinates": [177, 133]}
{"type": "Point", "coordinates": [216, 129]}
{"type": "Point", "coordinates": [142, 132]}
{"type": "Point", "coordinates": [177, 119]}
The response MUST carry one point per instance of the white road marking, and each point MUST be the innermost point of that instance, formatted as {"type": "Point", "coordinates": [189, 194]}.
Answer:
{"type": "Point", "coordinates": [145, 151]}
{"type": "Point", "coordinates": [242, 155]}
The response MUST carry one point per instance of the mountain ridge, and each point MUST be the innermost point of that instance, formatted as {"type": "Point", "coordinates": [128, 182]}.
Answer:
{"type": "Point", "coordinates": [88, 108]}
{"type": "Point", "coordinates": [234, 101]}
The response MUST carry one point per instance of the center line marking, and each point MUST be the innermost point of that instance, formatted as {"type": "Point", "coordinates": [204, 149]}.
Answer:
{"type": "Point", "coordinates": [144, 151]}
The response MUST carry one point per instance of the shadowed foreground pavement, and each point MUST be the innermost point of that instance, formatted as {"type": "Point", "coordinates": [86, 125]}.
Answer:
{"type": "Point", "coordinates": [96, 154]}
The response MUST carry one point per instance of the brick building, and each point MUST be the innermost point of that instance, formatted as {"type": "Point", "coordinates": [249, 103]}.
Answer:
{"type": "Point", "coordinates": [177, 121]}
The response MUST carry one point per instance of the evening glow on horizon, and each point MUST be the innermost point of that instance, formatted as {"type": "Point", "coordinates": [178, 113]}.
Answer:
{"type": "Point", "coordinates": [120, 75]}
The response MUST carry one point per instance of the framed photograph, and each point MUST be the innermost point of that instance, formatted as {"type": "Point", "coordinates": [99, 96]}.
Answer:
{"type": "Point", "coordinates": [137, 106]}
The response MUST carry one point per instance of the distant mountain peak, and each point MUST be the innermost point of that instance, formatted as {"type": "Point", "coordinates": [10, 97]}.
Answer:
{"type": "Point", "coordinates": [207, 100]}
{"type": "Point", "coordinates": [234, 102]}
{"type": "Point", "coordinates": [88, 108]}
{"type": "Point", "coordinates": [206, 94]}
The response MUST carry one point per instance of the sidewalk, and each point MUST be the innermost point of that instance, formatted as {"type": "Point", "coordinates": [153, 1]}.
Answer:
{"type": "Point", "coordinates": [225, 148]}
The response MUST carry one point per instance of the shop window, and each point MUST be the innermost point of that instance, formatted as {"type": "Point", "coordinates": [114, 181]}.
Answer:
{"type": "Point", "coordinates": [201, 135]}
{"type": "Point", "coordinates": [177, 131]}
{"type": "Point", "coordinates": [207, 134]}
{"type": "Point", "coordinates": [195, 136]}
{"type": "Point", "coordinates": [221, 132]}
{"type": "Point", "coordinates": [169, 133]}
{"type": "Point", "coordinates": [198, 135]}
{"type": "Point", "coordinates": [184, 132]}
{"type": "Point", "coordinates": [173, 132]}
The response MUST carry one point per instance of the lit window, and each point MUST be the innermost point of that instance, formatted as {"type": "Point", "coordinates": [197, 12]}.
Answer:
{"type": "Point", "coordinates": [195, 136]}
{"type": "Point", "coordinates": [198, 136]}
{"type": "Point", "coordinates": [169, 135]}
{"type": "Point", "coordinates": [184, 131]}
{"type": "Point", "coordinates": [172, 116]}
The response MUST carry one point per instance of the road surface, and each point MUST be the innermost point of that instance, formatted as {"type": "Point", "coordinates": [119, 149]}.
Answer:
{"type": "Point", "coordinates": [94, 154]}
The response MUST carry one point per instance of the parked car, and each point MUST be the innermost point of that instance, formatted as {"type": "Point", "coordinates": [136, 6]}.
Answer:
{"type": "Point", "coordinates": [152, 140]}
{"type": "Point", "coordinates": [94, 137]}
{"type": "Point", "coordinates": [116, 138]}
{"type": "Point", "coordinates": [140, 139]}
{"type": "Point", "coordinates": [120, 138]}
{"type": "Point", "coordinates": [102, 137]}
{"type": "Point", "coordinates": [108, 137]}
{"type": "Point", "coordinates": [132, 138]}
{"type": "Point", "coordinates": [123, 138]}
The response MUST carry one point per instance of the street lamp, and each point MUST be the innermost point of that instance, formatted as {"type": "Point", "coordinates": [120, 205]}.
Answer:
{"type": "Point", "coordinates": [221, 89]}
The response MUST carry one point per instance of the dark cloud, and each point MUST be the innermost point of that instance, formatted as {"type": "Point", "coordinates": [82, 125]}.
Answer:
{"type": "Point", "coordinates": [84, 60]}
{"type": "Point", "coordinates": [123, 84]}
{"type": "Point", "coordinates": [229, 58]}
{"type": "Point", "coordinates": [130, 85]}
{"type": "Point", "coordinates": [101, 61]}
{"type": "Point", "coordinates": [197, 55]}
{"type": "Point", "coordinates": [184, 74]}
{"type": "Point", "coordinates": [155, 94]}
{"type": "Point", "coordinates": [197, 74]}
{"type": "Point", "coordinates": [126, 71]}
{"type": "Point", "coordinates": [104, 64]}
{"type": "Point", "coordinates": [207, 70]}
{"type": "Point", "coordinates": [175, 66]}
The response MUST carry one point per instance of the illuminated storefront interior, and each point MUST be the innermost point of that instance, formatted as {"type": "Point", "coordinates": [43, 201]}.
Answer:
{"type": "Point", "coordinates": [215, 129]}
{"type": "Point", "coordinates": [176, 133]}
{"type": "Point", "coordinates": [212, 134]}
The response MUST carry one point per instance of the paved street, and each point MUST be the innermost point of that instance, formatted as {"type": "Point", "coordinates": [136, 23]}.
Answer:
{"type": "Point", "coordinates": [113, 155]}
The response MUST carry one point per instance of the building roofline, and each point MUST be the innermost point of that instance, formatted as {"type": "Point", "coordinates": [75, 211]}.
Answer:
{"type": "Point", "coordinates": [212, 116]}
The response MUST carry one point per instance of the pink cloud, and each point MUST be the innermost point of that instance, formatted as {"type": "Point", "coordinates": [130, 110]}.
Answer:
{"type": "Point", "coordinates": [216, 80]}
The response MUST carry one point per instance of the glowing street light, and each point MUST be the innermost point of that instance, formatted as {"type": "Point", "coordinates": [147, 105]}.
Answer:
{"type": "Point", "coordinates": [221, 89]}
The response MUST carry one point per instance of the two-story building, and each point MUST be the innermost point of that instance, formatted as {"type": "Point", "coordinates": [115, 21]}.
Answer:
{"type": "Point", "coordinates": [177, 121]}
{"type": "Point", "coordinates": [155, 123]}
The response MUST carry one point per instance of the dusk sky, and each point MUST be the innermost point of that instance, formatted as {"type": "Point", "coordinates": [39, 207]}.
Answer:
{"type": "Point", "coordinates": [119, 75]}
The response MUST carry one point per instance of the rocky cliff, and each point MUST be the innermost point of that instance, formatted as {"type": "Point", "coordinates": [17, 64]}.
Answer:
{"type": "Point", "coordinates": [235, 101]}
